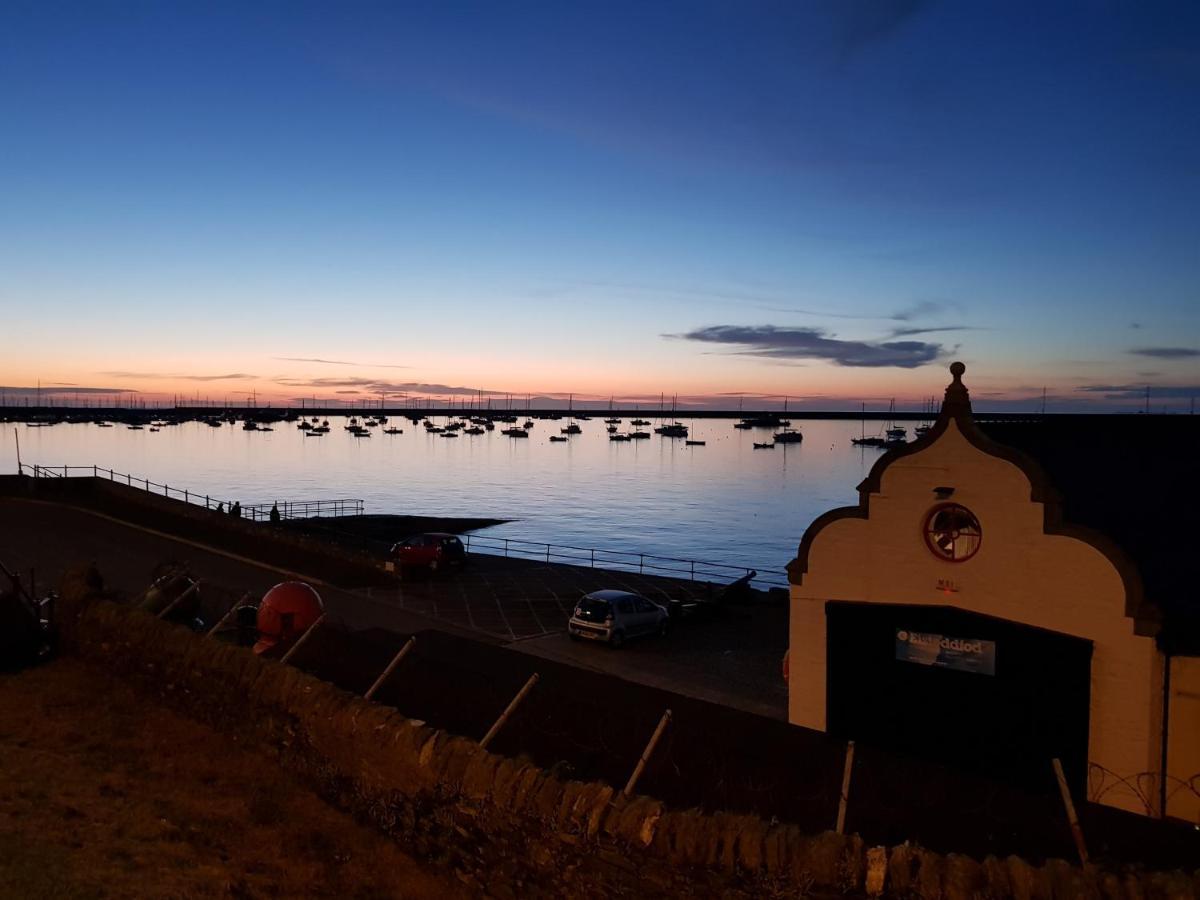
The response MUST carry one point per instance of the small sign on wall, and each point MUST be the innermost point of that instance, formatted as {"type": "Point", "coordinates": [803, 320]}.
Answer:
{"type": "Point", "coordinates": [963, 654]}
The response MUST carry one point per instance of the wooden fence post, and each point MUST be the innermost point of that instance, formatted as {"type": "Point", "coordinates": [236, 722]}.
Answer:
{"type": "Point", "coordinates": [1076, 829]}
{"type": "Point", "coordinates": [641, 763]}
{"type": "Point", "coordinates": [192, 588]}
{"type": "Point", "coordinates": [229, 612]}
{"type": "Point", "coordinates": [844, 799]}
{"type": "Point", "coordinates": [391, 667]}
{"type": "Point", "coordinates": [516, 701]}
{"type": "Point", "coordinates": [304, 637]}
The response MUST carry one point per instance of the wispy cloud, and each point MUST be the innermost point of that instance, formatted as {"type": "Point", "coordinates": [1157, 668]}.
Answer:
{"type": "Point", "coordinates": [64, 389]}
{"type": "Point", "coordinates": [771, 342]}
{"type": "Point", "coordinates": [340, 362]}
{"type": "Point", "coordinates": [1135, 391]}
{"type": "Point", "coordinates": [909, 332]}
{"type": "Point", "coordinates": [1167, 352]}
{"type": "Point", "coordinates": [861, 23]}
{"type": "Point", "coordinates": [378, 386]}
{"type": "Point", "coordinates": [158, 376]}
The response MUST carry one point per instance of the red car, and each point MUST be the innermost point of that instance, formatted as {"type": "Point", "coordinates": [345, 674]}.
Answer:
{"type": "Point", "coordinates": [432, 551]}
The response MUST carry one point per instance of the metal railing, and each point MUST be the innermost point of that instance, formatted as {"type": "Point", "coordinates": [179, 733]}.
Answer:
{"type": "Point", "coordinates": [620, 560]}
{"type": "Point", "coordinates": [258, 512]}
{"type": "Point", "coordinates": [305, 509]}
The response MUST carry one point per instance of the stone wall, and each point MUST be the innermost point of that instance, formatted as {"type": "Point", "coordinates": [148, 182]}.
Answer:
{"type": "Point", "coordinates": [517, 830]}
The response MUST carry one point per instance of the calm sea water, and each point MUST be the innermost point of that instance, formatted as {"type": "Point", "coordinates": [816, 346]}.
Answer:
{"type": "Point", "coordinates": [725, 502]}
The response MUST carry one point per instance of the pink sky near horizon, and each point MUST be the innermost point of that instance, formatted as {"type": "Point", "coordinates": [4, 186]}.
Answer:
{"type": "Point", "coordinates": [270, 380]}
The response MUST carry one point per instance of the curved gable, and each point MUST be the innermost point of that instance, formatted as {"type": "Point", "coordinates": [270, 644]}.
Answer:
{"type": "Point", "coordinates": [955, 450]}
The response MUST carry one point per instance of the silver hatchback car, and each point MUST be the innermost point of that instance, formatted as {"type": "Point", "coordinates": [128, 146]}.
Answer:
{"type": "Point", "coordinates": [616, 616]}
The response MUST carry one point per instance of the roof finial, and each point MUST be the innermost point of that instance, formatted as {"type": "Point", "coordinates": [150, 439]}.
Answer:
{"type": "Point", "coordinates": [958, 401]}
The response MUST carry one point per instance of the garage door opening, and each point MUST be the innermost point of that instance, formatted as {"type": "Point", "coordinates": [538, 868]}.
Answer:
{"type": "Point", "coordinates": [971, 690]}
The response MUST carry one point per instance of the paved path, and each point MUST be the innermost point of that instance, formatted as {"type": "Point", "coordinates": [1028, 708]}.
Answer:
{"type": "Point", "coordinates": [731, 658]}
{"type": "Point", "coordinates": [51, 538]}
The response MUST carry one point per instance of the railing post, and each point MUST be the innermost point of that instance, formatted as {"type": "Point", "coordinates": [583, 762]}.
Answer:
{"type": "Point", "coordinates": [506, 548]}
{"type": "Point", "coordinates": [593, 557]}
{"type": "Point", "coordinates": [844, 797]}
{"type": "Point", "coordinates": [185, 496]}
{"type": "Point", "coordinates": [547, 553]}
{"type": "Point", "coordinates": [304, 637]}
{"type": "Point", "coordinates": [93, 471]}
{"type": "Point", "coordinates": [641, 763]}
{"type": "Point", "coordinates": [391, 667]}
{"type": "Point", "coordinates": [693, 570]}
{"type": "Point", "coordinates": [641, 563]}
{"type": "Point", "coordinates": [495, 729]}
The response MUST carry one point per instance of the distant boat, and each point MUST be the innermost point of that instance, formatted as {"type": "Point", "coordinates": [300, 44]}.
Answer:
{"type": "Point", "coordinates": [694, 443]}
{"type": "Point", "coordinates": [674, 429]}
{"type": "Point", "coordinates": [615, 436]}
{"type": "Point", "coordinates": [788, 436]}
{"type": "Point", "coordinates": [558, 438]}
{"type": "Point", "coordinates": [452, 434]}
{"type": "Point", "coordinates": [639, 435]}
{"type": "Point", "coordinates": [314, 432]}
{"type": "Point", "coordinates": [103, 425]}
{"type": "Point", "coordinates": [612, 421]}
{"type": "Point", "coordinates": [894, 435]}
{"type": "Point", "coordinates": [515, 432]}
{"type": "Point", "coordinates": [612, 429]}
{"type": "Point", "coordinates": [763, 420]}
{"type": "Point", "coordinates": [863, 440]}
{"type": "Point", "coordinates": [572, 429]}
{"type": "Point", "coordinates": [638, 423]}
{"type": "Point", "coordinates": [758, 446]}
{"type": "Point", "coordinates": [393, 430]}
{"type": "Point", "coordinates": [474, 429]}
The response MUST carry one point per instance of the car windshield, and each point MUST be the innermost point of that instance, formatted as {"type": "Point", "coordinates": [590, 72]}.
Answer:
{"type": "Point", "coordinates": [591, 608]}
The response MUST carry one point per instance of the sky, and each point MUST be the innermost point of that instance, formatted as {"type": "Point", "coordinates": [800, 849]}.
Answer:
{"type": "Point", "coordinates": [824, 201]}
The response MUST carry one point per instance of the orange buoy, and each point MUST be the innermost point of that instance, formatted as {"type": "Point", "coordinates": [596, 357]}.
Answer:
{"type": "Point", "coordinates": [286, 612]}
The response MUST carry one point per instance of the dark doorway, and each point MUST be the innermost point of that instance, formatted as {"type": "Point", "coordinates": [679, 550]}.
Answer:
{"type": "Point", "coordinates": [992, 695]}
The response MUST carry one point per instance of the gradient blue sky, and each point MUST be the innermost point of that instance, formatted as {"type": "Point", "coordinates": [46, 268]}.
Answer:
{"type": "Point", "coordinates": [828, 200]}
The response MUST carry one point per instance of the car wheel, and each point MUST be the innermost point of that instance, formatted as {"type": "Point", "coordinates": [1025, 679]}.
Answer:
{"type": "Point", "coordinates": [664, 628]}
{"type": "Point", "coordinates": [618, 639]}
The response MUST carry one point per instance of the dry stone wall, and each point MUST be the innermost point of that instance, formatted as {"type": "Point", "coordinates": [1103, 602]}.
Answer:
{"type": "Point", "coordinates": [511, 829]}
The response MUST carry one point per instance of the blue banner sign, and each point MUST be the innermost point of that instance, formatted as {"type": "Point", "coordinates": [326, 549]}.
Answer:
{"type": "Point", "coordinates": [964, 654]}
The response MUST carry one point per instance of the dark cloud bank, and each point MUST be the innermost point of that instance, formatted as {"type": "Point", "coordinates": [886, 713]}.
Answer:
{"type": "Point", "coordinates": [771, 342]}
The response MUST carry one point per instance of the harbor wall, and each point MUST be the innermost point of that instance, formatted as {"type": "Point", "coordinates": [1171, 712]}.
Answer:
{"type": "Point", "coordinates": [516, 829]}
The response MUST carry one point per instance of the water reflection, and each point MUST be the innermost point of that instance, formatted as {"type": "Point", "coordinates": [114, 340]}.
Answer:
{"type": "Point", "coordinates": [723, 502]}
